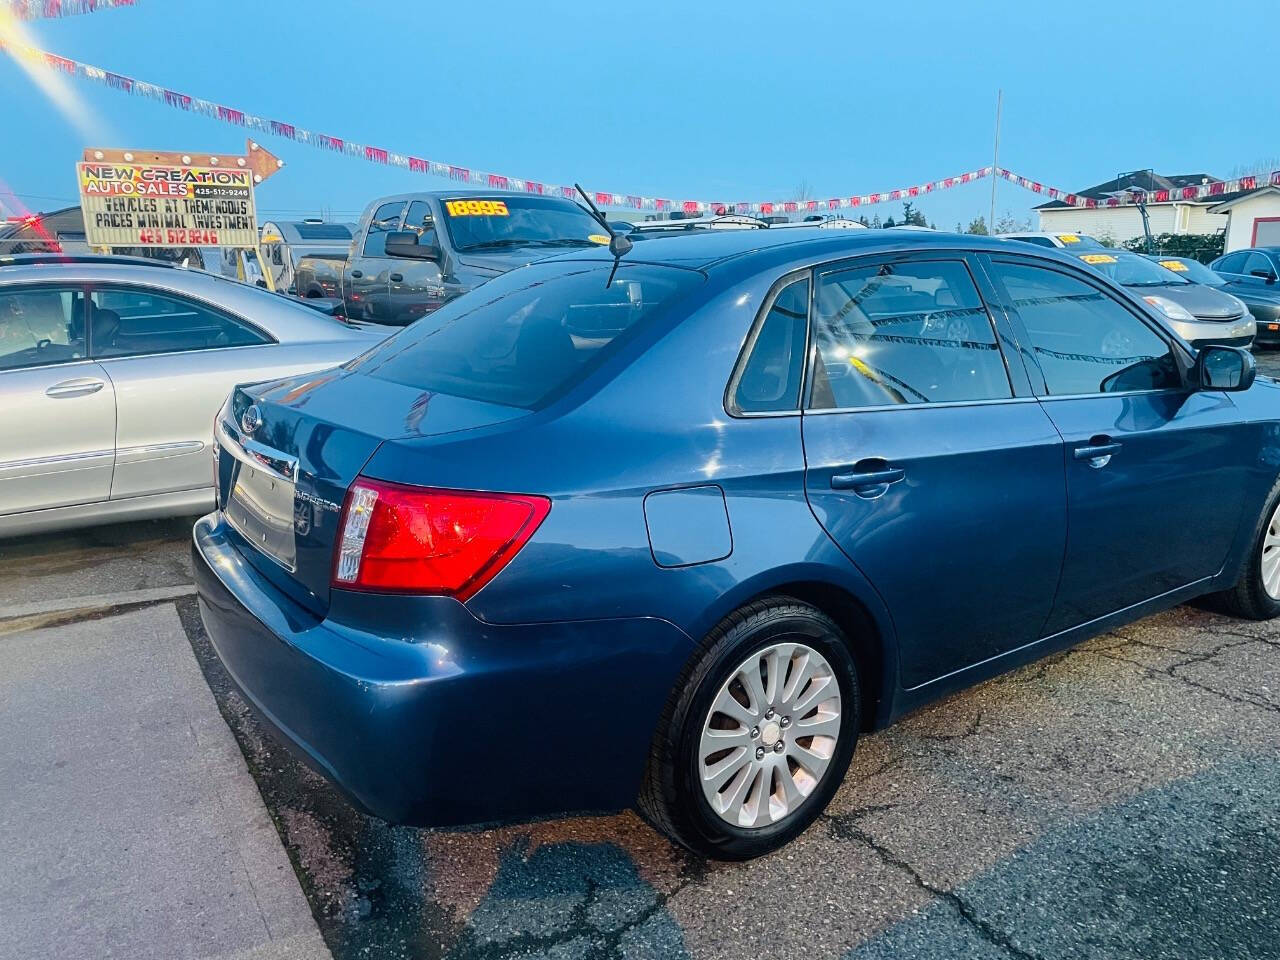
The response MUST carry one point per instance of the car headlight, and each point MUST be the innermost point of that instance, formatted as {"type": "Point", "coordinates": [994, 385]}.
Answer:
{"type": "Point", "coordinates": [1174, 311]}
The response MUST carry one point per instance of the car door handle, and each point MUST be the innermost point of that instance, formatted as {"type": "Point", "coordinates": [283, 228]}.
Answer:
{"type": "Point", "coordinates": [397, 277]}
{"type": "Point", "coordinates": [357, 274]}
{"type": "Point", "coordinates": [1098, 451]}
{"type": "Point", "coordinates": [861, 479]}
{"type": "Point", "coordinates": [80, 387]}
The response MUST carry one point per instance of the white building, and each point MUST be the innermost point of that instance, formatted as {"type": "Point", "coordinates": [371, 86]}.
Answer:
{"type": "Point", "coordinates": [1125, 222]}
{"type": "Point", "coordinates": [1253, 218]}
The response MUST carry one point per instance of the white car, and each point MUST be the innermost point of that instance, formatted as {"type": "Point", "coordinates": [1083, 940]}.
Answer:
{"type": "Point", "coordinates": [1059, 239]}
{"type": "Point", "coordinates": [111, 372]}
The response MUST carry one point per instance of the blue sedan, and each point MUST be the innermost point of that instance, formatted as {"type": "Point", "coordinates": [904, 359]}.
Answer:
{"type": "Point", "coordinates": [674, 531]}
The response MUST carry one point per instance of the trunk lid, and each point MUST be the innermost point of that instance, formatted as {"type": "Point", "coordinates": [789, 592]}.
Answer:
{"type": "Point", "coordinates": [290, 449]}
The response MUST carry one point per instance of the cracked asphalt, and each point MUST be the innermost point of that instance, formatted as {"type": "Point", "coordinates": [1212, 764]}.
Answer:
{"type": "Point", "coordinates": [1121, 799]}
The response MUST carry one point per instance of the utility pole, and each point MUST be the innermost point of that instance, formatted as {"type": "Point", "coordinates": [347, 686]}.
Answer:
{"type": "Point", "coordinates": [995, 163]}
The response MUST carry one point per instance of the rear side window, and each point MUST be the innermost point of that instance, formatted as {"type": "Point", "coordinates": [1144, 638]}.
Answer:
{"type": "Point", "coordinates": [913, 332]}
{"type": "Point", "coordinates": [385, 219]}
{"type": "Point", "coordinates": [1084, 340]}
{"type": "Point", "coordinates": [770, 379]}
{"type": "Point", "coordinates": [133, 322]}
{"type": "Point", "coordinates": [529, 335]}
{"type": "Point", "coordinates": [1231, 263]}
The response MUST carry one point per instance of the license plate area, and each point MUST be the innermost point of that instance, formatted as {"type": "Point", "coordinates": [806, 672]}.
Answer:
{"type": "Point", "coordinates": [261, 503]}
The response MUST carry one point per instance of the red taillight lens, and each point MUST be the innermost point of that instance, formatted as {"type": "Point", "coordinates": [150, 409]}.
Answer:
{"type": "Point", "coordinates": [403, 539]}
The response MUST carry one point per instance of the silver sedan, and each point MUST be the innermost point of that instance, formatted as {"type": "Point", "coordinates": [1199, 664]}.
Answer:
{"type": "Point", "coordinates": [111, 372]}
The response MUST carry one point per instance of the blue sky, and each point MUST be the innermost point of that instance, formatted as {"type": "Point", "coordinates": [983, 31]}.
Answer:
{"type": "Point", "coordinates": [721, 99]}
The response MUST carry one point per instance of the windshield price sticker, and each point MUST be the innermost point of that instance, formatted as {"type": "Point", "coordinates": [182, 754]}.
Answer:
{"type": "Point", "coordinates": [1068, 238]}
{"type": "Point", "coordinates": [1174, 265]}
{"type": "Point", "coordinates": [476, 208]}
{"type": "Point", "coordinates": [598, 238]}
{"type": "Point", "coordinates": [1098, 258]}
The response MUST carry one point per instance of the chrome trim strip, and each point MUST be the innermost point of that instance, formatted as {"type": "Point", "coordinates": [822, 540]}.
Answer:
{"type": "Point", "coordinates": [20, 467]}
{"type": "Point", "coordinates": [158, 451]}
{"type": "Point", "coordinates": [279, 464]}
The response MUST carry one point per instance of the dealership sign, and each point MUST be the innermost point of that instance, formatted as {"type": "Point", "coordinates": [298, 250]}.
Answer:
{"type": "Point", "coordinates": [139, 199]}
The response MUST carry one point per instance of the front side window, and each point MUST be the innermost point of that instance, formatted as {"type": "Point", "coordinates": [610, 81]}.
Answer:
{"type": "Point", "coordinates": [1257, 265]}
{"type": "Point", "coordinates": [912, 332]}
{"type": "Point", "coordinates": [385, 219]}
{"type": "Point", "coordinates": [770, 378]}
{"type": "Point", "coordinates": [1231, 263]}
{"type": "Point", "coordinates": [421, 222]}
{"type": "Point", "coordinates": [40, 327]}
{"type": "Point", "coordinates": [132, 322]}
{"type": "Point", "coordinates": [1085, 340]}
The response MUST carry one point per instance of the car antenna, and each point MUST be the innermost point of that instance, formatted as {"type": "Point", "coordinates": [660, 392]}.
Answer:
{"type": "Point", "coordinates": [618, 244]}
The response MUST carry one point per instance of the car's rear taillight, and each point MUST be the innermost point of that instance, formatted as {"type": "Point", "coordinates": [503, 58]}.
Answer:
{"type": "Point", "coordinates": [404, 539]}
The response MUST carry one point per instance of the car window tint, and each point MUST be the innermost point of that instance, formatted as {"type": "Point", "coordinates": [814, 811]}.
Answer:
{"type": "Point", "coordinates": [421, 222]}
{"type": "Point", "coordinates": [1231, 263]}
{"type": "Point", "coordinates": [529, 335]}
{"type": "Point", "coordinates": [1038, 241]}
{"type": "Point", "coordinates": [40, 327]}
{"type": "Point", "coordinates": [1084, 340]}
{"type": "Point", "coordinates": [128, 322]}
{"type": "Point", "coordinates": [903, 333]}
{"type": "Point", "coordinates": [1257, 261]}
{"type": "Point", "coordinates": [385, 219]}
{"type": "Point", "coordinates": [770, 379]}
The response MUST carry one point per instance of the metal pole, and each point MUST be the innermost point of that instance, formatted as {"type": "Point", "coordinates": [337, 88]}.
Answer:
{"type": "Point", "coordinates": [995, 163]}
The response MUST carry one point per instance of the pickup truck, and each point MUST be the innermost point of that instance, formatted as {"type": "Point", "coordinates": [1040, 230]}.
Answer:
{"type": "Point", "coordinates": [414, 252]}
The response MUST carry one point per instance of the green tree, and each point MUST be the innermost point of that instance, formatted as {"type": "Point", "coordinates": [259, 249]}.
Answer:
{"type": "Point", "coordinates": [875, 222]}
{"type": "Point", "coordinates": [1009, 224]}
{"type": "Point", "coordinates": [890, 223]}
{"type": "Point", "coordinates": [978, 225]}
{"type": "Point", "coordinates": [911, 217]}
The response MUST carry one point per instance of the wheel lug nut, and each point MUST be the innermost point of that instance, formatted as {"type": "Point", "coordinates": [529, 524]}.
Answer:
{"type": "Point", "coordinates": [759, 753]}
{"type": "Point", "coordinates": [768, 714]}
{"type": "Point", "coordinates": [786, 721]}
{"type": "Point", "coordinates": [755, 732]}
{"type": "Point", "coordinates": [777, 747]}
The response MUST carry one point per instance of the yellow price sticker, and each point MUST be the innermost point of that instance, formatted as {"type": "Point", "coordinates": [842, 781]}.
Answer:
{"type": "Point", "coordinates": [1098, 258]}
{"type": "Point", "coordinates": [1068, 238]}
{"type": "Point", "coordinates": [1174, 265]}
{"type": "Point", "coordinates": [476, 208]}
{"type": "Point", "coordinates": [598, 238]}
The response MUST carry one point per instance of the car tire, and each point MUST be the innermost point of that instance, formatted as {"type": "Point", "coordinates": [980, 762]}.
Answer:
{"type": "Point", "coordinates": [781, 634]}
{"type": "Point", "coordinates": [1250, 598]}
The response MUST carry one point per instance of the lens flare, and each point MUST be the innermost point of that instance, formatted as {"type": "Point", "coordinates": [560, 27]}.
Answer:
{"type": "Point", "coordinates": [18, 41]}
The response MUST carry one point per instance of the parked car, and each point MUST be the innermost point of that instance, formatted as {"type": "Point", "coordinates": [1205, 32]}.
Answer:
{"type": "Point", "coordinates": [286, 242]}
{"type": "Point", "coordinates": [414, 252]}
{"type": "Point", "coordinates": [596, 536]}
{"type": "Point", "coordinates": [1061, 241]}
{"type": "Point", "coordinates": [111, 371]}
{"type": "Point", "coordinates": [1200, 314]}
{"type": "Point", "coordinates": [1262, 302]}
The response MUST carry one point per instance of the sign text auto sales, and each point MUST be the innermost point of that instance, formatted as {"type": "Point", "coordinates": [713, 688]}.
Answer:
{"type": "Point", "coordinates": [131, 204]}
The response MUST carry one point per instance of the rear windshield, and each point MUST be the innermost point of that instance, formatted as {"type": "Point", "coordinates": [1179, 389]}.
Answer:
{"type": "Point", "coordinates": [527, 336]}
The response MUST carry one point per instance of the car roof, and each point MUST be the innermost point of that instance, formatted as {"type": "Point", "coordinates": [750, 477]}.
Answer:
{"type": "Point", "coordinates": [708, 249]}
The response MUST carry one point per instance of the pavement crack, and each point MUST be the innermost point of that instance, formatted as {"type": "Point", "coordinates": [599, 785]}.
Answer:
{"type": "Point", "coordinates": [843, 827]}
{"type": "Point", "coordinates": [1168, 672]}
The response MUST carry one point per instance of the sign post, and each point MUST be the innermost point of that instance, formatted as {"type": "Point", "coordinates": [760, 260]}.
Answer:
{"type": "Point", "coordinates": [138, 198]}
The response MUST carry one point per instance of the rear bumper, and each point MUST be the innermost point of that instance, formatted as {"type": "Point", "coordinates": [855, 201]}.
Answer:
{"type": "Point", "coordinates": [438, 718]}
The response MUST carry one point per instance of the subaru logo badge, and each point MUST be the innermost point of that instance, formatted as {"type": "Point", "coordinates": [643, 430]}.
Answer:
{"type": "Point", "coordinates": [251, 419]}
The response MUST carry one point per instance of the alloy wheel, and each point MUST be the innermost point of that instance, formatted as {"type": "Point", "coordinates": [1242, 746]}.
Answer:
{"type": "Point", "coordinates": [1270, 557]}
{"type": "Point", "coordinates": [769, 735]}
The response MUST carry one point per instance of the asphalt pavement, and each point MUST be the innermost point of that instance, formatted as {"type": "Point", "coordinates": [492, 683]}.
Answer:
{"type": "Point", "coordinates": [1118, 800]}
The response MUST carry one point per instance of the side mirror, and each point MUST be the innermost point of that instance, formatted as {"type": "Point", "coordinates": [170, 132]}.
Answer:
{"type": "Point", "coordinates": [404, 244]}
{"type": "Point", "coordinates": [1266, 275]}
{"type": "Point", "coordinates": [1224, 368]}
